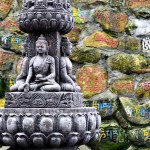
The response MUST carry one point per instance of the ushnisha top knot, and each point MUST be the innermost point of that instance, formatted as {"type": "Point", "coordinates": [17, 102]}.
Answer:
{"type": "Point", "coordinates": [65, 41]}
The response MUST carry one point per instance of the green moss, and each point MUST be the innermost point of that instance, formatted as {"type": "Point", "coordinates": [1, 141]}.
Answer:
{"type": "Point", "coordinates": [127, 63]}
{"type": "Point", "coordinates": [129, 27]}
{"type": "Point", "coordinates": [84, 55]}
{"type": "Point", "coordinates": [107, 145]}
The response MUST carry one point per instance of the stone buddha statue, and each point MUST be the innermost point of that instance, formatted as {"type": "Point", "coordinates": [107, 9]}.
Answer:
{"type": "Point", "coordinates": [41, 75]}
{"type": "Point", "coordinates": [66, 78]}
{"type": "Point", "coordinates": [21, 78]}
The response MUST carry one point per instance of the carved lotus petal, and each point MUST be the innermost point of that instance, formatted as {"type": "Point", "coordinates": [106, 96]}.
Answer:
{"type": "Point", "coordinates": [1, 124]}
{"type": "Point", "coordinates": [39, 16]}
{"type": "Point", "coordinates": [28, 125]}
{"type": "Point", "coordinates": [92, 122]}
{"type": "Point", "coordinates": [72, 139]}
{"type": "Point", "coordinates": [12, 125]}
{"type": "Point", "coordinates": [38, 139]}
{"type": "Point", "coordinates": [58, 16]}
{"type": "Point", "coordinates": [38, 142]}
{"type": "Point", "coordinates": [48, 16]}
{"type": "Point", "coordinates": [55, 139]}
{"type": "Point", "coordinates": [44, 24]}
{"type": "Point", "coordinates": [61, 25]}
{"type": "Point", "coordinates": [80, 123]}
{"type": "Point", "coordinates": [35, 23]}
{"type": "Point", "coordinates": [22, 142]}
{"type": "Point", "coordinates": [27, 24]}
{"type": "Point", "coordinates": [21, 25]}
{"type": "Point", "coordinates": [46, 125]}
{"type": "Point", "coordinates": [8, 139]}
{"type": "Point", "coordinates": [95, 136]}
{"type": "Point", "coordinates": [30, 16]}
{"type": "Point", "coordinates": [53, 24]}
{"type": "Point", "coordinates": [86, 137]}
{"type": "Point", "coordinates": [65, 124]}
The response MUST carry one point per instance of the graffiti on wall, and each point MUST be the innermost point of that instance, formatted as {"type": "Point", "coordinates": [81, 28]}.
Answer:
{"type": "Point", "coordinates": [113, 134]}
{"type": "Point", "coordinates": [106, 107]}
{"type": "Point", "coordinates": [10, 42]}
{"type": "Point", "coordinates": [136, 111]}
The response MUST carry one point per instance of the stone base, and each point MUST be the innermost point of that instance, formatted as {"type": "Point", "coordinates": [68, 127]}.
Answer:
{"type": "Point", "coordinates": [48, 128]}
{"type": "Point", "coordinates": [43, 99]}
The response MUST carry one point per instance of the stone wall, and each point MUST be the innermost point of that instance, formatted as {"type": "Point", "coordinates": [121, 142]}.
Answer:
{"type": "Point", "coordinates": [111, 59]}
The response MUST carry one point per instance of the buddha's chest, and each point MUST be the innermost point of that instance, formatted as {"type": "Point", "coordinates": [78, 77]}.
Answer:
{"type": "Point", "coordinates": [38, 62]}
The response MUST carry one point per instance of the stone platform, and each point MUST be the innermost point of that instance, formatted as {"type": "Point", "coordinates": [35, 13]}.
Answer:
{"type": "Point", "coordinates": [48, 127]}
{"type": "Point", "coordinates": [43, 99]}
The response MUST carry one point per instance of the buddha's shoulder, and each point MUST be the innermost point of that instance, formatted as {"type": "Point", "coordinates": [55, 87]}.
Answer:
{"type": "Point", "coordinates": [32, 60]}
{"type": "Point", "coordinates": [49, 59]}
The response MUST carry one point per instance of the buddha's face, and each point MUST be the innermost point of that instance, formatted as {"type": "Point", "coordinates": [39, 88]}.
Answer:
{"type": "Point", "coordinates": [41, 47]}
{"type": "Point", "coordinates": [67, 49]}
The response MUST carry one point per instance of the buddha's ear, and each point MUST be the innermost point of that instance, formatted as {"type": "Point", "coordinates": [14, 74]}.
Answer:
{"type": "Point", "coordinates": [63, 49]}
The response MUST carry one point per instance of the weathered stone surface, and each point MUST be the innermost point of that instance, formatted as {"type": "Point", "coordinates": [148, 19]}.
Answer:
{"type": "Point", "coordinates": [137, 3]}
{"type": "Point", "coordinates": [6, 60]}
{"type": "Point", "coordinates": [104, 96]}
{"type": "Point", "coordinates": [12, 42]}
{"type": "Point", "coordinates": [142, 27]}
{"type": "Point", "coordinates": [92, 79]}
{"type": "Point", "coordinates": [127, 63]}
{"type": "Point", "coordinates": [116, 3]}
{"type": "Point", "coordinates": [112, 21]}
{"type": "Point", "coordinates": [9, 24]}
{"type": "Point", "coordinates": [128, 43]}
{"type": "Point", "coordinates": [74, 34]}
{"type": "Point", "coordinates": [101, 39]}
{"type": "Point", "coordinates": [83, 55]}
{"type": "Point", "coordinates": [121, 120]}
{"type": "Point", "coordinates": [140, 136]}
{"type": "Point", "coordinates": [82, 16]}
{"type": "Point", "coordinates": [135, 113]}
{"type": "Point", "coordinates": [123, 87]}
{"type": "Point", "coordinates": [5, 8]}
{"type": "Point", "coordinates": [143, 89]}
{"type": "Point", "coordinates": [142, 12]}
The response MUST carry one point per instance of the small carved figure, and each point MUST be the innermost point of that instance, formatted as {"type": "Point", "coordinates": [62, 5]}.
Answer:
{"type": "Point", "coordinates": [41, 74]}
{"type": "Point", "coordinates": [21, 78]}
{"type": "Point", "coordinates": [50, 3]}
{"type": "Point", "coordinates": [66, 78]}
{"type": "Point", "coordinates": [40, 3]}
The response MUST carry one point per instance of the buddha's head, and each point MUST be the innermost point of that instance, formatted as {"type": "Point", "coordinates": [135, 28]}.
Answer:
{"type": "Point", "coordinates": [66, 46]}
{"type": "Point", "coordinates": [41, 45]}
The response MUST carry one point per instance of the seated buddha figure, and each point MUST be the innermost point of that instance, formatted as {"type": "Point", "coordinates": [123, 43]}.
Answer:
{"type": "Point", "coordinates": [41, 75]}
{"type": "Point", "coordinates": [67, 80]}
{"type": "Point", "coordinates": [21, 78]}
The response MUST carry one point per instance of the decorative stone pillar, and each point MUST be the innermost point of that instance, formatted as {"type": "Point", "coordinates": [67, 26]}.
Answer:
{"type": "Point", "coordinates": [44, 109]}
